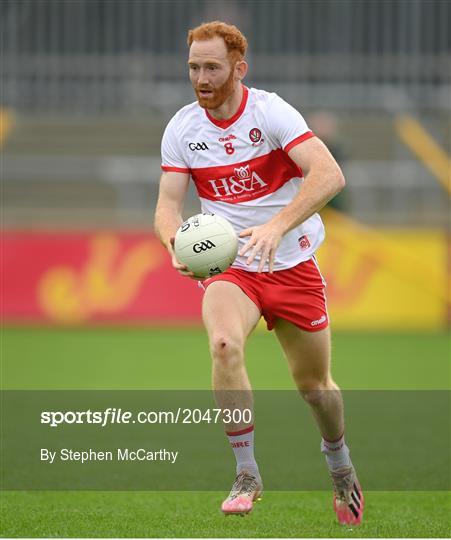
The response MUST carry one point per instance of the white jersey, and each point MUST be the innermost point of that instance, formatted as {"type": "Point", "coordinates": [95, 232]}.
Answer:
{"type": "Point", "coordinates": [241, 168]}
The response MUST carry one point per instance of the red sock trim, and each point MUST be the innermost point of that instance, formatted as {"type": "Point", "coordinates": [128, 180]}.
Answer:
{"type": "Point", "coordinates": [241, 432]}
{"type": "Point", "coordinates": [336, 440]}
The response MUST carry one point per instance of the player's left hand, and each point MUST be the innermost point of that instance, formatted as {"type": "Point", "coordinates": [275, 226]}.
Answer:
{"type": "Point", "coordinates": [264, 240]}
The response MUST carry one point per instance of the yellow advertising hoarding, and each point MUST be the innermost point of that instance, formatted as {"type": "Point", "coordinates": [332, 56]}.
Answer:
{"type": "Point", "coordinates": [384, 278]}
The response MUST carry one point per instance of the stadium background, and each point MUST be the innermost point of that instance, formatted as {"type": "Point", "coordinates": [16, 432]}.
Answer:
{"type": "Point", "coordinates": [87, 88]}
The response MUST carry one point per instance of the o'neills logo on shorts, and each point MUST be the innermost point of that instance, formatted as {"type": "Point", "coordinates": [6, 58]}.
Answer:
{"type": "Point", "coordinates": [318, 321]}
{"type": "Point", "coordinates": [244, 184]}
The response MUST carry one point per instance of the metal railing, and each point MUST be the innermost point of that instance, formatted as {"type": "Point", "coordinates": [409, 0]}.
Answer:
{"type": "Point", "coordinates": [130, 55]}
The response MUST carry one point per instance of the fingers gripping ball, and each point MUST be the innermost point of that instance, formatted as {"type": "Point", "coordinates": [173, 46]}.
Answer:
{"type": "Point", "coordinates": [207, 244]}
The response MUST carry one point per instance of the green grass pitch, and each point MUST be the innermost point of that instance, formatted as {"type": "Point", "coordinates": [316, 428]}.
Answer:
{"type": "Point", "coordinates": [107, 358]}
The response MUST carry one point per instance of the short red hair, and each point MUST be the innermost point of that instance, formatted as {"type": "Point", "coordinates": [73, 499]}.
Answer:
{"type": "Point", "coordinates": [234, 40]}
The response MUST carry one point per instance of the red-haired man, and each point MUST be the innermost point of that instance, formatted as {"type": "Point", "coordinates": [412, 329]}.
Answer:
{"type": "Point", "coordinates": [255, 162]}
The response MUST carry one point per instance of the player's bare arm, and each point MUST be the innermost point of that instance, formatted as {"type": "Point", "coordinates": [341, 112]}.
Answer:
{"type": "Point", "coordinates": [323, 180]}
{"type": "Point", "coordinates": [168, 213]}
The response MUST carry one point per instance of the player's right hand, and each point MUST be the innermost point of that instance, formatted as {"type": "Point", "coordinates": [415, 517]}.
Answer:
{"type": "Point", "coordinates": [181, 268]}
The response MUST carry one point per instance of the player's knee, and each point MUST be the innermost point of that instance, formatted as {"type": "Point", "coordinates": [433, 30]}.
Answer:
{"type": "Point", "coordinates": [226, 349]}
{"type": "Point", "coordinates": [314, 392]}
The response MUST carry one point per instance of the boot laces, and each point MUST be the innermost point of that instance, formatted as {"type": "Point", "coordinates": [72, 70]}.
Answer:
{"type": "Point", "coordinates": [343, 483]}
{"type": "Point", "coordinates": [245, 484]}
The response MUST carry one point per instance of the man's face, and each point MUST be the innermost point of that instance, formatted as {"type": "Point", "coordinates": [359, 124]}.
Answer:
{"type": "Point", "coordinates": [211, 74]}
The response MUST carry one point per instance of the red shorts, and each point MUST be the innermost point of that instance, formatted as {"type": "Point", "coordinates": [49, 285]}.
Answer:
{"type": "Point", "coordinates": [295, 295]}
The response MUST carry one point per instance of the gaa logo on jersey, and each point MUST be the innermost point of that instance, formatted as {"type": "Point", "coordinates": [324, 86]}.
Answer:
{"type": "Point", "coordinates": [255, 135]}
{"type": "Point", "coordinates": [198, 146]}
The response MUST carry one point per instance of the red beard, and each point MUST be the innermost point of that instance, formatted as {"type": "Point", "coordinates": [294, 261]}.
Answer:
{"type": "Point", "coordinates": [219, 94]}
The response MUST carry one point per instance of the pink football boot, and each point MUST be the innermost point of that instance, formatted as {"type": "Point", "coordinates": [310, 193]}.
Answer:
{"type": "Point", "coordinates": [246, 489]}
{"type": "Point", "coordinates": [348, 496]}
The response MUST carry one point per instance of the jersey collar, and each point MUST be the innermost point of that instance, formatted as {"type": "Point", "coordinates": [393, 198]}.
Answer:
{"type": "Point", "coordinates": [224, 124]}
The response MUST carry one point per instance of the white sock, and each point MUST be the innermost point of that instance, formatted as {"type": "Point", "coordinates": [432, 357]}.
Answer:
{"type": "Point", "coordinates": [337, 453]}
{"type": "Point", "coordinates": [242, 443]}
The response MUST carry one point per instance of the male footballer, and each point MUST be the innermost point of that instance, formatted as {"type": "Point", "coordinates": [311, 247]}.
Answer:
{"type": "Point", "coordinates": [255, 162]}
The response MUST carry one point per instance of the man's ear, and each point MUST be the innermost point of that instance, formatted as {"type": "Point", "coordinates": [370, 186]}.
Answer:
{"type": "Point", "coordinates": [241, 68]}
